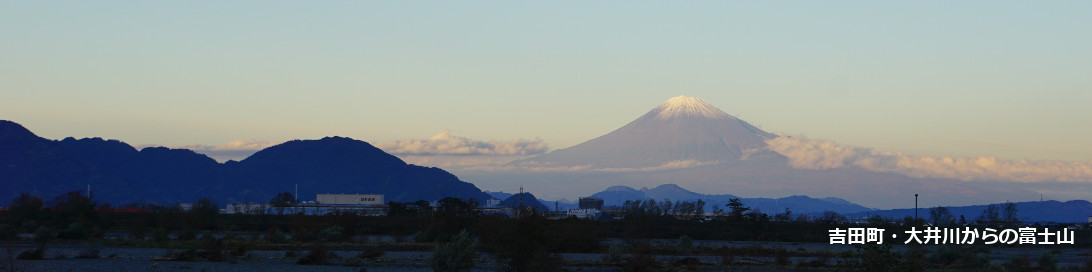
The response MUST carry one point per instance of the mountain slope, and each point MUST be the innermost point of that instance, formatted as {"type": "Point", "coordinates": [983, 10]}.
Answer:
{"type": "Point", "coordinates": [688, 142]}
{"type": "Point", "coordinates": [682, 131]}
{"type": "Point", "coordinates": [523, 199]}
{"type": "Point", "coordinates": [119, 173]}
{"type": "Point", "coordinates": [344, 165]}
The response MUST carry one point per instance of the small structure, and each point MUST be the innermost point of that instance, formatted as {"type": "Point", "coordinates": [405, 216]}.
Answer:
{"type": "Point", "coordinates": [584, 213]}
{"type": "Point", "coordinates": [587, 203]}
{"type": "Point", "coordinates": [492, 203]}
{"type": "Point", "coordinates": [362, 204]}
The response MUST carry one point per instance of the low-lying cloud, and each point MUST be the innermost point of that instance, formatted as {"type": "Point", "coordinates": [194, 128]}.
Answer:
{"type": "Point", "coordinates": [236, 145]}
{"type": "Point", "coordinates": [446, 144]}
{"type": "Point", "coordinates": [234, 150]}
{"type": "Point", "coordinates": [821, 154]}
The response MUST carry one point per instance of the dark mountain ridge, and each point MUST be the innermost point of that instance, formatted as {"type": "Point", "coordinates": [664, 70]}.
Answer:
{"type": "Point", "coordinates": [119, 173]}
{"type": "Point", "coordinates": [798, 204]}
{"type": "Point", "coordinates": [524, 199]}
{"type": "Point", "coordinates": [1073, 211]}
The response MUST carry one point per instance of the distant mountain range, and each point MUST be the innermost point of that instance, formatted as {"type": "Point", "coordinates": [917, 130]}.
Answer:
{"type": "Point", "coordinates": [689, 142]}
{"type": "Point", "coordinates": [1074, 211]}
{"type": "Point", "coordinates": [119, 173]}
{"type": "Point", "coordinates": [797, 204]}
{"type": "Point", "coordinates": [499, 195]}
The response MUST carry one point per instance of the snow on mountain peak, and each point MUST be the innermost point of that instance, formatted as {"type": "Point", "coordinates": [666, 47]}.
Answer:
{"type": "Point", "coordinates": [686, 106]}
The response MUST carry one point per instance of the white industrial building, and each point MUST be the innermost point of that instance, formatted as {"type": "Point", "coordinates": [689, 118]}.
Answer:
{"type": "Point", "coordinates": [584, 213]}
{"type": "Point", "coordinates": [350, 199]}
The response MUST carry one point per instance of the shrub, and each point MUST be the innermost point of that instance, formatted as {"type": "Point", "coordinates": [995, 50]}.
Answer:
{"type": "Point", "coordinates": [1018, 263]}
{"type": "Point", "coordinates": [371, 253]}
{"type": "Point", "coordinates": [213, 251]}
{"type": "Point", "coordinates": [332, 234]}
{"type": "Point", "coordinates": [316, 256]}
{"type": "Point", "coordinates": [185, 256]}
{"type": "Point", "coordinates": [456, 255]}
{"type": "Point", "coordinates": [615, 252]}
{"type": "Point", "coordinates": [275, 236]}
{"type": "Point", "coordinates": [160, 235]}
{"type": "Point", "coordinates": [1047, 263]}
{"type": "Point", "coordinates": [781, 257]}
{"type": "Point", "coordinates": [642, 260]}
{"type": "Point", "coordinates": [89, 253]}
{"type": "Point", "coordinates": [44, 234]}
{"type": "Point", "coordinates": [685, 242]}
{"type": "Point", "coordinates": [7, 232]}
{"type": "Point", "coordinates": [35, 254]}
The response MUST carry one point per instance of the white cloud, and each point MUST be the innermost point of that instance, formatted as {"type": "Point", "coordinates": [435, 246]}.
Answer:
{"type": "Point", "coordinates": [233, 150]}
{"type": "Point", "coordinates": [458, 161]}
{"type": "Point", "coordinates": [236, 145]}
{"type": "Point", "coordinates": [446, 144]}
{"type": "Point", "coordinates": [820, 154]}
{"type": "Point", "coordinates": [540, 167]}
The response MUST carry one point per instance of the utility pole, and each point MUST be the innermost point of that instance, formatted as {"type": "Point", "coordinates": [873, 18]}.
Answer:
{"type": "Point", "coordinates": [915, 208]}
{"type": "Point", "coordinates": [519, 206]}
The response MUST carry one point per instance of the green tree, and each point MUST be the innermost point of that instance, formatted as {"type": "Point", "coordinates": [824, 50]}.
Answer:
{"type": "Point", "coordinates": [736, 209]}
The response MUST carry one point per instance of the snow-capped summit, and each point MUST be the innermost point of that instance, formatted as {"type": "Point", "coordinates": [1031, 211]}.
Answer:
{"type": "Point", "coordinates": [686, 106]}
{"type": "Point", "coordinates": [680, 133]}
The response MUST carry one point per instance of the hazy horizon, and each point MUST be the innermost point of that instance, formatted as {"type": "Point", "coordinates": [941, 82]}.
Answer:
{"type": "Point", "coordinates": [968, 91]}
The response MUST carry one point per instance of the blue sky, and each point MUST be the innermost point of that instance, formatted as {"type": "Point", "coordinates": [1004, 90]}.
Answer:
{"type": "Point", "coordinates": [936, 78]}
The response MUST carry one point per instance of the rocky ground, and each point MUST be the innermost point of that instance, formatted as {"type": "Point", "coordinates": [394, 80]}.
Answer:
{"type": "Point", "coordinates": [111, 258]}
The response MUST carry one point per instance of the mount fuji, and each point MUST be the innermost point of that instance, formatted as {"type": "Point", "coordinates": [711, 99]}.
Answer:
{"type": "Point", "coordinates": [689, 142]}
{"type": "Point", "coordinates": [684, 131]}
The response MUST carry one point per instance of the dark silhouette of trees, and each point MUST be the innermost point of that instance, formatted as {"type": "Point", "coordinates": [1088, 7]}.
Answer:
{"type": "Point", "coordinates": [831, 218]}
{"type": "Point", "coordinates": [455, 255]}
{"type": "Point", "coordinates": [75, 213]}
{"type": "Point", "coordinates": [736, 209]}
{"type": "Point", "coordinates": [282, 200]}
{"type": "Point", "coordinates": [73, 202]}
{"type": "Point", "coordinates": [524, 244]}
{"type": "Point", "coordinates": [990, 216]}
{"type": "Point", "coordinates": [941, 216]}
{"type": "Point", "coordinates": [202, 214]}
{"type": "Point", "coordinates": [455, 207]}
{"type": "Point", "coordinates": [25, 207]}
{"type": "Point", "coordinates": [784, 217]}
{"type": "Point", "coordinates": [1008, 210]}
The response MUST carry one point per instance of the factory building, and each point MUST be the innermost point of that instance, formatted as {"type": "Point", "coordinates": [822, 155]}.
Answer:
{"type": "Point", "coordinates": [591, 203]}
{"type": "Point", "coordinates": [350, 199]}
{"type": "Point", "coordinates": [363, 204]}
